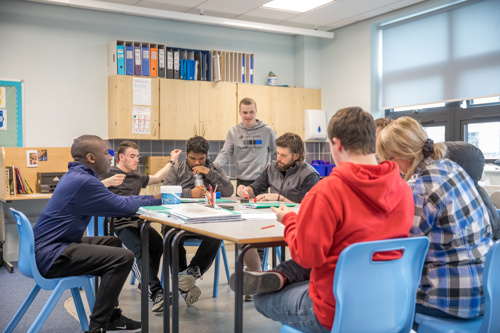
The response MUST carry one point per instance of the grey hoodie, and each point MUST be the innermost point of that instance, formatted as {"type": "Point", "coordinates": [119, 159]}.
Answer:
{"type": "Point", "coordinates": [253, 149]}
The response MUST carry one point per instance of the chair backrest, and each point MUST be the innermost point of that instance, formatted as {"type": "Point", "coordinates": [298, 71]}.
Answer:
{"type": "Point", "coordinates": [378, 296]}
{"type": "Point", "coordinates": [491, 319]}
{"type": "Point", "coordinates": [27, 264]}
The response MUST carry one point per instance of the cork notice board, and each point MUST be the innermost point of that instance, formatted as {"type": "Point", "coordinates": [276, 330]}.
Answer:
{"type": "Point", "coordinates": [155, 164]}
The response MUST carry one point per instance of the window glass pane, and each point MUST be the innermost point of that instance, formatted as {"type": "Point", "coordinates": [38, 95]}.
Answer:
{"type": "Point", "coordinates": [485, 136]}
{"type": "Point", "coordinates": [436, 133]}
{"type": "Point", "coordinates": [420, 107]}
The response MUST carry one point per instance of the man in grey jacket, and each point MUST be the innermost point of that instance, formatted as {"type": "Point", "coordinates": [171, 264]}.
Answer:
{"type": "Point", "coordinates": [183, 174]}
{"type": "Point", "coordinates": [290, 177]}
{"type": "Point", "coordinates": [251, 142]}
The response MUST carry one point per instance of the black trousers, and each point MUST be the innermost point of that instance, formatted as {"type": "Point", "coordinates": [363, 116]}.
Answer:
{"type": "Point", "coordinates": [243, 182]}
{"type": "Point", "coordinates": [204, 256]}
{"type": "Point", "coordinates": [131, 240]}
{"type": "Point", "coordinates": [98, 256]}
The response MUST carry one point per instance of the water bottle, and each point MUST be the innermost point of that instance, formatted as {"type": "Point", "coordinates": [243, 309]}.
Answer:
{"type": "Point", "coordinates": [198, 180]}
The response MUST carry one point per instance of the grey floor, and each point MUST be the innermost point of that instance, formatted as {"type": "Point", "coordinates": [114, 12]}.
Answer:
{"type": "Point", "coordinates": [209, 314]}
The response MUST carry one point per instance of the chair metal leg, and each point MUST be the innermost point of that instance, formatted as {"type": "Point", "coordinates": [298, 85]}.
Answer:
{"type": "Point", "coordinates": [226, 263]}
{"type": "Point", "coordinates": [215, 292]}
{"type": "Point", "coordinates": [264, 262]}
{"type": "Point", "coordinates": [22, 310]}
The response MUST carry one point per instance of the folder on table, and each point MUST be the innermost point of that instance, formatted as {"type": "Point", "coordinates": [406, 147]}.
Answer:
{"type": "Point", "coordinates": [120, 59]}
{"type": "Point", "coordinates": [145, 61]}
{"type": "Point", "coordinates": [137, 60]}
{"type": "Point", "coordinates": [170, 63]}
{"type": "Point", "coordinates": [129, 60]}
{"type": "Point", "coordinates": [176, 64]}
{"type": "Point", "coordinates": [153, 61]}
{"type": "Point", "coordinates": [161, 62]}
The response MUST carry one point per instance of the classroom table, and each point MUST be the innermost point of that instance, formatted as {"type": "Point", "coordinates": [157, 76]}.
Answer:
{"type": "Point", "coordinates": [248, 233]}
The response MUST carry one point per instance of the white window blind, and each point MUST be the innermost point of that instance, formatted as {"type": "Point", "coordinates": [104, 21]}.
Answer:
{"type": "Point", "coordinates": [450, 55]}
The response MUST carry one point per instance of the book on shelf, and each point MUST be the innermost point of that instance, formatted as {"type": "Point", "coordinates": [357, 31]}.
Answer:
{"type": "Point", "coordinates": [15, 183]}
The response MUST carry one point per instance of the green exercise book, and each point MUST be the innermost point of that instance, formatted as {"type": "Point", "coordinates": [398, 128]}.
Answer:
{"type": "Point", "coordinates": [268, 204]}
{"type": "Point", "coordinates": [202, 200]}
{"type": "Point", "coordinates": [154, 211]}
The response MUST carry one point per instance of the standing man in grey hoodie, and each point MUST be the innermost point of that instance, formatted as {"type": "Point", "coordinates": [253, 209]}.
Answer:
{"type": "Point", "coordinates": [251, 142]}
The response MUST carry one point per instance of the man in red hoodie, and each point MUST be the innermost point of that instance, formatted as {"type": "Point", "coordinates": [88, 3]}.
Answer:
{"type": "Point", "coordinates": [360, 201]}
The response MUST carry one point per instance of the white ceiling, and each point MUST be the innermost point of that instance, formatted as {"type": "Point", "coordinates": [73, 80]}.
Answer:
{"type": "Point", "coordinates": [334, 15]}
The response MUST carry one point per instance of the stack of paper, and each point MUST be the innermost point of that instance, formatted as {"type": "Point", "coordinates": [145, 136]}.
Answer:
{"type": "Point", "coordinates": [267, 204]}
{"type": "Point", "coordinates": [158, 212]}
{"type": "Point", "coordinates": [202, 214]}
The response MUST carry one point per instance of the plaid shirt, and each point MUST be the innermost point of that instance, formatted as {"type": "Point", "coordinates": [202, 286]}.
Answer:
{"type": "Point", "coordinates": [449, 210]}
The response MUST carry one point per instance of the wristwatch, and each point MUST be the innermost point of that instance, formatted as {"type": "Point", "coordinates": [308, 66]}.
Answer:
{"type": "Point", "coordinates": [171, 161]}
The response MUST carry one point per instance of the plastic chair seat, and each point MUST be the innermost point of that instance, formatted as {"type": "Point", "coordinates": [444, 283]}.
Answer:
{"type": "Point", "coordinates": [27, 266]}
{"type": "Point", "coordinates": [432, 324]}
{"type": "Point", "coordinates": [377, 296]}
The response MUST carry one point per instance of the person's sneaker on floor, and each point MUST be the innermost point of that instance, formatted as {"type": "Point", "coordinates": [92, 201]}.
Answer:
{"type": "Point", "coordinates": [248, 298]}
{"type": "Point", "coordinates": [158, 301]}
{"type": "Point", "coordinates": [121, 323]}
{"type": "Point", "coordinates": [191, 296]}
{"type": "Point", "coordinates": [187, 278]}
{"type": "Point", "coordinates": [259, 282]}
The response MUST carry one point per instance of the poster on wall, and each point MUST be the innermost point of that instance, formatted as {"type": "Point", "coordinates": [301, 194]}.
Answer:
{"type": "Point", "coordinates": [141, 120]}
{"type": "Point", "coordinates": [11, 113]}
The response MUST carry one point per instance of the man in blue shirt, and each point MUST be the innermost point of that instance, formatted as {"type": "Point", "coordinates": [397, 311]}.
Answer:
{"type": "Point", "coordinates": [60, 248]}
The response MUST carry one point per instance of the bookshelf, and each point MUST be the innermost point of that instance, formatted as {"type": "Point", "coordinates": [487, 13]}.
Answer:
{"type": "Point", "coordinates": [57, 161]}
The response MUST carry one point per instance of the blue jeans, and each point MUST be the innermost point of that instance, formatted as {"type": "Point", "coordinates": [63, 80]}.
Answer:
{"type": "Point", "coordinates": [291, 305]}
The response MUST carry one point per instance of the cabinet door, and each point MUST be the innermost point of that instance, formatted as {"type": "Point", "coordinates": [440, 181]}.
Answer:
{"type": "Point", "coordinates": [179, 109]}
{"type": "Point", "coordinates": [217, 109]}
{"type": "Point", "coordinates": [312, 99]}
{"type": "Point", "coordinates": [262, 97]}
{"type": "Point", "coordinates": [129, 121]}
{"type": "Point", "coordinates": [288, 110]}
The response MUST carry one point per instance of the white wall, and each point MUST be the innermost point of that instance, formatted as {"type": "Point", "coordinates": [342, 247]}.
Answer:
{"type": "Point", "coordinates": [61, 54]}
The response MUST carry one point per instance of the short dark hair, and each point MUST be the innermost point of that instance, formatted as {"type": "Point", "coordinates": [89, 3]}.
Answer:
{"type": "Point", "coordinates": [83, 145]}
{"type": "Point", "coordinates": [126, 144]}
{"type": "Point", "coordinates": [197, 144]}
{"type": "Point", "coordinates": [355, 129]}
{"type": "Point", "coordinates": [293, 142]}
{"type": "Point", "coordinates": [382, 122]}
{"type": "Point", "coordinates": [248, 101]}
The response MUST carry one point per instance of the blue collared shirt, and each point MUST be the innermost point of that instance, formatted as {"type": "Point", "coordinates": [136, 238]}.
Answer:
{"type": "Point", "coordinates": [449, 210]}
{"type": "Point", "coordinates": [79, 195]}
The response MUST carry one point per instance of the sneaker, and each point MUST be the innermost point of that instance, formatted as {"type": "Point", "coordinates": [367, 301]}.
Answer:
{"type": "Point", "coordinates": [187, 278]}
{"type": "Point", "coordinates": [122, 323]}
{"type": "Point", "coordinates": [191, 296]}
{"type": "Point", "coordinates": [248, 298]}
{"type": "Point", "coordinates": [258, 282]}
{"type": "Point", "coordinates": [158, 302]}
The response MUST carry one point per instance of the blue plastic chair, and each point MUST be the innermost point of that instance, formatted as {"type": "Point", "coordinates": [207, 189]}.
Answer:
{"type": "Point", "coordinates": [266, 254]}
{"type": "Point", "coordinates": [222, 249]}
{"type": "Point", "coordinates": [377, 296]}
{"type": "Point", "coordinates": [27, 266]}
{"type": "Point", "coordinates": [490, 322]}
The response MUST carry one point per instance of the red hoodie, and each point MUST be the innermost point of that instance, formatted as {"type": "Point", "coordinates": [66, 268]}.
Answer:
{"type": "Point", "coordinates": [357, 203]}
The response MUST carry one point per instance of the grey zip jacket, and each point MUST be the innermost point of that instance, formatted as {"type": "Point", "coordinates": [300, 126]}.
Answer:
{"type": "Point", "coordinates": [253, 149]}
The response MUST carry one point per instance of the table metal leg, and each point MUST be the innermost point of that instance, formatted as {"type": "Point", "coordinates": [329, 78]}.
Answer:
{"type": "Point", "coordinates": [175, 280]}
{"type": "Point", "coordinates": [145, 276]}
{"type": "Point", "coordinates": [238, 298]}
{"type": "Point", "coordinates": [167, 239]}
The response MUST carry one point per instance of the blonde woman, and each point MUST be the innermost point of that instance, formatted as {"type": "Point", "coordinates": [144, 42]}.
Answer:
{"type": "Point", "coordinates": [449, 210]}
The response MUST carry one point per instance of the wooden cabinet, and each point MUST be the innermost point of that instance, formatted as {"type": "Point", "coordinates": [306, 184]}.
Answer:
{"type": "Point", "coordinates": [122, 111]}
{"type": "Point", "coordinates": [181, 109]}
{"type": "Point", "coordinates": [189, 108]}
{"type": "Point", "coordinates": [282, 107]}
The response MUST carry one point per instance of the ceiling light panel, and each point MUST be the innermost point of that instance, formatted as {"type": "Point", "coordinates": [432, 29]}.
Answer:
{"type": "Point", "coordinates": [295, 5]}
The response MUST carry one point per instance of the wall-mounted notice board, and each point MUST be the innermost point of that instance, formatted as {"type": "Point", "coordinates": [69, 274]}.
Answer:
{"type": "Point", "coordinates": [11, 113]}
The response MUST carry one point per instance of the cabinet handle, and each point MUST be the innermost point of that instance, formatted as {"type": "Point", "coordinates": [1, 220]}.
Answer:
{"type": "Point", "coordinates": [154, 130]}
{"type": "Point", "coordinates": [194, 129]}
{"type": "Point", "coordinates": [203, 130]}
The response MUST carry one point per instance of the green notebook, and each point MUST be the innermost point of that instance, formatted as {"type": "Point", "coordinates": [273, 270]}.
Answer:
{"type": "Point", "coordinates": [156, 208]}
{"type": "Point", "coordinates": [268, 204]}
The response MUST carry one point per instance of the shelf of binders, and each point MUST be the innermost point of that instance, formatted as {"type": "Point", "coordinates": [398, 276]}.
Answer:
{"type": "Point", "coordinates": [158, 60]}
{"type": "Point", "coordinates": [230, 66]}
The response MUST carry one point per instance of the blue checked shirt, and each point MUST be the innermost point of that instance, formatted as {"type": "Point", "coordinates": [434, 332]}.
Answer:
{"type": "Point", "coordinates": [449, 210]}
